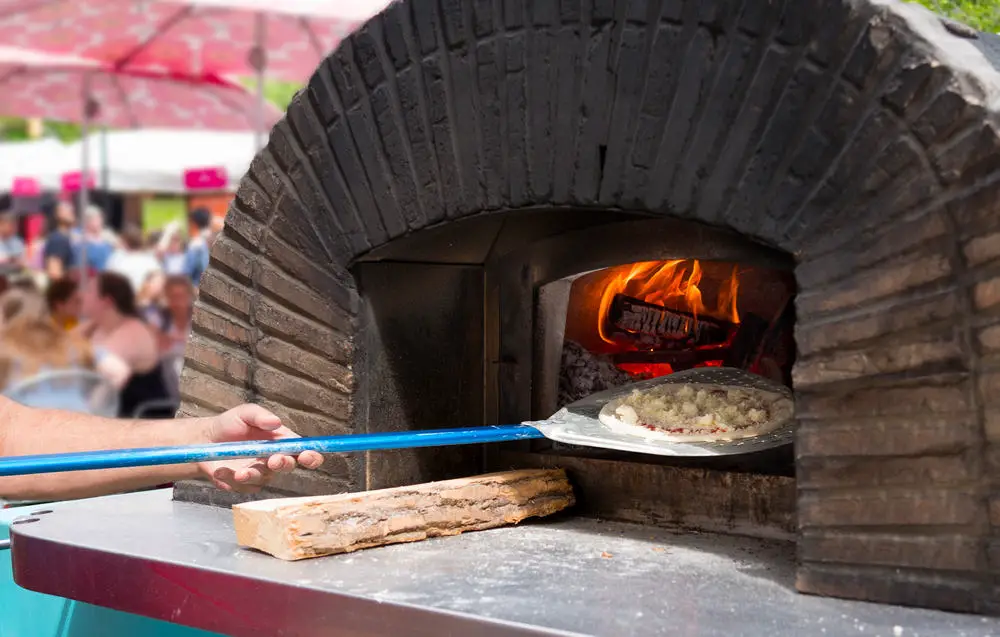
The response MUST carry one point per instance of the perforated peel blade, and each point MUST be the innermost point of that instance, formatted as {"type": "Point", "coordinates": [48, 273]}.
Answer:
{"type": "Point", "coordinates": [579, 424]}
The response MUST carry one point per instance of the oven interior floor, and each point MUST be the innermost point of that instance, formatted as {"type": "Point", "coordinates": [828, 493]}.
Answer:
{"type": "Point", "coordinates": [559, 576]}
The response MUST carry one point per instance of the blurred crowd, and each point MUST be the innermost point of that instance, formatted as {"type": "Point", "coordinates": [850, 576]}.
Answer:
{"type": "Point", "coordinates": [95, 320]}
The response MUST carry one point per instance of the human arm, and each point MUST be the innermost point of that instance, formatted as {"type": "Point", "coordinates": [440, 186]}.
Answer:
{"type": "Point", "coordinates": [112, 367]}
{"type": "Point", "coordinates": [84, 330]}
{"type": "Point", "coordinates": [19, 254]}
{"type": "Point", "coordinates": [168, 233]}
{"type": "Point", "coordinates": [131, 347]}
{"type": "Point", "coordinates": [157, 322]}
{"type": "Point", "coordinates": [111, 237]}
{"type": "Point", "coordinates": [54, 268]}
{"type": "Point", "coordinates": [27, 431]}
{"type": "Point", "coordinates": [169, 342]}
{"type": "Point", "coordinates": [57, 256]}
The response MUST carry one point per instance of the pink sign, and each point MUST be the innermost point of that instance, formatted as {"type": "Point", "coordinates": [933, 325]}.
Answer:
{"type": "Point", "coordinates": [34, 227]}
{"type": "Point", "coordinates": [25, 187]}
{"type": "Point", "coordinates": [72, 182]}
{"type": "Point", "coordinates": [205, 178]}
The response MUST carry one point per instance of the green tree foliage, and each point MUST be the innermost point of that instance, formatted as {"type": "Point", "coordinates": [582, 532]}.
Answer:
{"type": "Point", "coordinates": [279, 93]}
{"type": "Point", "coordinates": [980, 14]}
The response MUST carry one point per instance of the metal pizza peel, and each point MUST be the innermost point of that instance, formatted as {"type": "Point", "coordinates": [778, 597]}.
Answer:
{"type": "Point", "coordinates": [575, 424]}
{"type": "Point", "coordinates": [578, 422]}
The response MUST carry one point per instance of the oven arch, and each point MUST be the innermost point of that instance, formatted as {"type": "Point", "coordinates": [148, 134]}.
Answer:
{"type": "Point", "coordinates": [859, 137]}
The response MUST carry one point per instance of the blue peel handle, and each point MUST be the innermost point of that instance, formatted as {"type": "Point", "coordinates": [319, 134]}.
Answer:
{"type": "Point", "coordinates": [122, 458]}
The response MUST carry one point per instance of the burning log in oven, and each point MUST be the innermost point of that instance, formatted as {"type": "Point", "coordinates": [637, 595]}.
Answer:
{"type": "Point", "coordinates": [673, 340]}
{"type": "Point", "coordinates": [654, 327]}
{"type": "Point", "coordinates": [648, 319]}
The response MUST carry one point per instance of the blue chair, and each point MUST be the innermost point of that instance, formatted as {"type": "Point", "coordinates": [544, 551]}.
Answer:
{"type": "Point", "coordinates": [78, 390]}
{"type": "Point", "coordinates": [27, 614]}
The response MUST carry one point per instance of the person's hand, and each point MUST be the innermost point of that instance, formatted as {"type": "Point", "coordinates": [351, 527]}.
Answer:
{"type": "Point", "coordinates": [248, 475]}
{"type": "Point", "coordinates": [84, 329]}
{"type": "Point", "coordinates": [164, 342]}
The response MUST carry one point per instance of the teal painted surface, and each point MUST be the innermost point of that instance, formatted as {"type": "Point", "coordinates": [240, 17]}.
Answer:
{"type": "Point", "coordinates": [27, 614]}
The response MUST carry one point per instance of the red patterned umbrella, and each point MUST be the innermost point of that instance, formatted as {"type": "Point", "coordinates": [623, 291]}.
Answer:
{"type": "Point", "coordinates": [69, 88]}
{"type": "Point", "coordinates": [287, 38]}
{"type": "Point", "coordinates": [187, 36]}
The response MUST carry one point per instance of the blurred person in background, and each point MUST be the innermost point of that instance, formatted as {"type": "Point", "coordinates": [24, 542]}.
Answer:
{"type": "Point", "coordinates": [200, 244]}
{"type": "Point", "coordinates": [97, 243]}
{"type": "Point", "coordinates": [174, 321]}
{"type": "Point", "coordinates": [12, 251]}
{"type": "Point", "coordinates": [36, 254]}
{"type": "Point", "coordinates": [172, 251]}
{"type": "Point", "coordinates": [58, 256]}
{"type": "Point", "coordinates": [149, 300]}
{"type": "Point", "coordinates": [64, 302]}
{"type": "Point", "coordinates": [31, 344]}
{"type": "Point", "coordinates": [125, 347]}
{"type": "Point", "coordinates": [132, 260]}
{"type": "Point", "coordinates": [153, 241]}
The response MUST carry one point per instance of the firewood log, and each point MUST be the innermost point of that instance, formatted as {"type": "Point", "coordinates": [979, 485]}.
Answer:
{"type": "Point", "coordinates": [297, 528]}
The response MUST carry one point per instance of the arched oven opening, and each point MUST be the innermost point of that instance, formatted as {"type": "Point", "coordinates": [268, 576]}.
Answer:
{"type": "Point", "coordinates": [506, 318]}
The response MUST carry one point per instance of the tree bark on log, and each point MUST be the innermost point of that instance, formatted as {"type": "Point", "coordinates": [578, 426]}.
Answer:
{"type": "Point", "coordinates": [635, 319]}
{"type": "Point", "coordinates": [298, 528]}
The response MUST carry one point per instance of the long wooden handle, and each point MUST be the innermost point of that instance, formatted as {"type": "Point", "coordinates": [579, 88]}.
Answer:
{"type": "Point", "coordinates": [121, 458]}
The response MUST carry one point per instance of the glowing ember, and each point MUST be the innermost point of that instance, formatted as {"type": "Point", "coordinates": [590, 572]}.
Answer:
{"type": "Point", "coordinates": [646, 370]}
{"type": "Point", "coordinates": [671, 284]}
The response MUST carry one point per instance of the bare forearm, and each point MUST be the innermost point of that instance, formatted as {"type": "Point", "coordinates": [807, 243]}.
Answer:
{"type": "Point", "coordinates": [53, 268]}
{"type": "Point", "coordinates": [36, 431]}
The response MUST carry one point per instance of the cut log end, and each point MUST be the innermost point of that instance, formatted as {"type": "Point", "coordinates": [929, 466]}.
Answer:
{"type": "Point", "coordinates": [299, 528]}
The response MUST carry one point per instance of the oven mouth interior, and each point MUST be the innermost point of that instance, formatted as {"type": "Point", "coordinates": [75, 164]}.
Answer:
{"type": "Point", "coordinates": [643, 320]}
{"type": "Point", "coordinates": [492, 300]}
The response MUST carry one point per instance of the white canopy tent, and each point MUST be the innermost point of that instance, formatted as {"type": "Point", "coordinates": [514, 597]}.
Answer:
{"type": "Point", "coordinates": [152, 160]}
{"type": "Point", "coordinates": [40, 160]}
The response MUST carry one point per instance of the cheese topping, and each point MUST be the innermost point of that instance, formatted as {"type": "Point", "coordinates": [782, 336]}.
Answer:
{"type": "Point", "coordinates": [689, 413]}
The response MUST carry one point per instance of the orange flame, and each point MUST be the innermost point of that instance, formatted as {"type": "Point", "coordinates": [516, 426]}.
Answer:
{"type": "Point", "coordinates": [672, 284]}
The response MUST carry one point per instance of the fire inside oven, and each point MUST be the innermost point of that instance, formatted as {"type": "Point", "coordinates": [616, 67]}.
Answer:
{"type": "Point", "coordinates": [644, 320]}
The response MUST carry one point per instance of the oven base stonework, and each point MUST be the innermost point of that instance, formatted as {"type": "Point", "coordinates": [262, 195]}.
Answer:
{"type": "Point", "coordinates": [860, 137]}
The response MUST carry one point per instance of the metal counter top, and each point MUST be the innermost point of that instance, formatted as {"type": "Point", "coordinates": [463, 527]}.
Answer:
{"type": "Point", "coordinates": [146, 554]}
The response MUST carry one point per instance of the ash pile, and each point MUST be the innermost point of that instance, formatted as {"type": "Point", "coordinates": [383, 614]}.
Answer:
{"type": "Point", "coordinates": [583, 373]}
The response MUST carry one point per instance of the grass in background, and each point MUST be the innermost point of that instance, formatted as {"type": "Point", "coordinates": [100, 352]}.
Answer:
{"type": "Point", "coordinates": [157, 212]}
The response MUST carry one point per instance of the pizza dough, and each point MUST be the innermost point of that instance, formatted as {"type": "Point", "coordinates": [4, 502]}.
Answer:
{"type": "Point", "coordinates": [696, 413]}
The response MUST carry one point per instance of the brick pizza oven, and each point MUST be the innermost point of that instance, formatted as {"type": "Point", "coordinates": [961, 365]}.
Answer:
{"type": "Point", "coordinates": [404, 251]}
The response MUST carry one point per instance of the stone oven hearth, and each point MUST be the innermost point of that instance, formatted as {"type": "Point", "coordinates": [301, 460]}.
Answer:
{"type": "Point", "coordinates": [403, 254]}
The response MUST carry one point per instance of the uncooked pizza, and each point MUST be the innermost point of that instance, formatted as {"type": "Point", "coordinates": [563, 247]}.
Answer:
{"type": "Point", "coordinates": [696, 413]}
